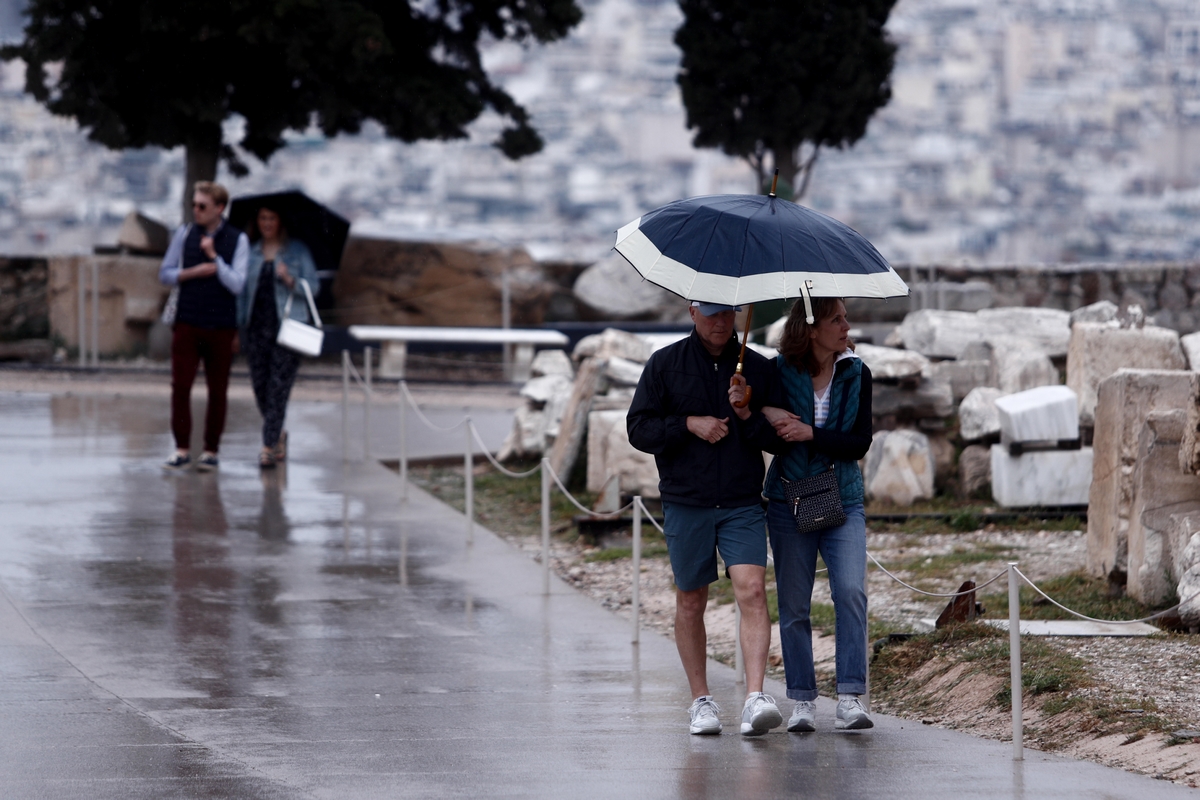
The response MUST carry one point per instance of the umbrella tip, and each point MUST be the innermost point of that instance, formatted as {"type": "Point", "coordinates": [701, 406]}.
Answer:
{"type": "Point", "coordinates": [774, 182]}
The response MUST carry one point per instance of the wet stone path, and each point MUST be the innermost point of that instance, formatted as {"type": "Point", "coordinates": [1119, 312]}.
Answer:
{"type": "Point", "coordinates": [302, 633]}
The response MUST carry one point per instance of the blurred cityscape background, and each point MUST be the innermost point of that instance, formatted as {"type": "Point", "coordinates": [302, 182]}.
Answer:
{"type": "Point", "coordinates": [1019, 132]}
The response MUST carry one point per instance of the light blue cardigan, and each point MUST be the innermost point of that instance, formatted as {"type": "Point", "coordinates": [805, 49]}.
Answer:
{"type": "Point", "coordinates": [299, 262]}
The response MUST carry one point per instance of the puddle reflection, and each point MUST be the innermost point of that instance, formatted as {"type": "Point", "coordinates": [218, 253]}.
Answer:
{"type": "Point", "coordinates": [203, 581]}
{"type": "Point", "coordinates": [273, 524]}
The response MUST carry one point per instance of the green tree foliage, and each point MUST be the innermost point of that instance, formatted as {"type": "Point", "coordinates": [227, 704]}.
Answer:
{"type": "Point", "coordinates": [784, 78]}
{"type": "Point", "coordinates": [136, 73]}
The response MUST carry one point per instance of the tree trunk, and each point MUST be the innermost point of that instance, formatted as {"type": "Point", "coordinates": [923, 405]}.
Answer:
{"type": "Point", "coordinates": [795, 172]}
{"type": "Point", "coordinates": [201, 166]}
{"type": "Point", "coordinates": [785, 162]}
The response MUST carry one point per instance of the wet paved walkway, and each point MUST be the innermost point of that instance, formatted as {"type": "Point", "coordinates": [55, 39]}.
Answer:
{"type": "Point", "coordinates": [301, 634]}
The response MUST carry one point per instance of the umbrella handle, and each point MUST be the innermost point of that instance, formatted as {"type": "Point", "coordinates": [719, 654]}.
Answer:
{"type": "Point", "coordinates": [806, 294]}
{"type": "Point", "coordinates": [745, 401]}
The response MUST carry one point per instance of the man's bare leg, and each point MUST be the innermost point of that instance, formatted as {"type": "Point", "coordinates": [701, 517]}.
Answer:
{"type": "Point", "coordinates": [750, 593]}
{"type": "Point", "coordinates": [692, 640]}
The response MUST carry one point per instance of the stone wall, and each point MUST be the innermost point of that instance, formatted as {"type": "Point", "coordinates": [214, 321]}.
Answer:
{"type": "Point", "coordinates": [434, 284]}
{"type": "Point", "coordinates": [388, 282]}
{"type": "Point", "coordinates": [130, 302]}
{"type": "Point", "coordinates": [24, 312]}
{"type": "Point", "coordinates": [1169, 292]}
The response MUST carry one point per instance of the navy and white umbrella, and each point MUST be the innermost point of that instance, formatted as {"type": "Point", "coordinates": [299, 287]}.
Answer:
{"type": "Point", "coordinates": [736, 248]}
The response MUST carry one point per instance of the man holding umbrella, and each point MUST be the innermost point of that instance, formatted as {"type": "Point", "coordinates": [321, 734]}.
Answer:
{"type": "Point", "coordinates": [709, 456]}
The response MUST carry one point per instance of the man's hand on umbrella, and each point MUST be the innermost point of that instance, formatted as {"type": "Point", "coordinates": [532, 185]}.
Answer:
{"type": "Point", "coordinates": [710, 429]}
{"type": "Point", "coordinates": [739, 396]}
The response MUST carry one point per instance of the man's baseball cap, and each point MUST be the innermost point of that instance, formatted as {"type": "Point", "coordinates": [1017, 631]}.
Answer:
{"type": "Point", "coordinates": [708, 309]}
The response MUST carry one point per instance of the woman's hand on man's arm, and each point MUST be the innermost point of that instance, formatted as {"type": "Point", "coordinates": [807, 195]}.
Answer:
{"type": "Point", "coordinates": [788, 425]}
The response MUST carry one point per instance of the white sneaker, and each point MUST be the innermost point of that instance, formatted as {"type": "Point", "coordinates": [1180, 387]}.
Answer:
{"type": "Point", "coordinates": [760, 714]}
{"type": "Point", "coordinates": [804, 717]}
{"type": "Point", "coordinates": [705, 716]}
{"type": "Point", "coordinates": [851, 716]}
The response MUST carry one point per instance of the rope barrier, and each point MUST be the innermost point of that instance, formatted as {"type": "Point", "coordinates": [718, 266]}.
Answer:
{"type": "Point", "coordinates": [362, 384]}
{"type": "Point", "coordinates": [474, 432]}
{"type": "Point", "coordinates": [413, 402]}
{"type": "Point", "coordinates": [932, 594]}
{"type": "Point", "coordinates": [601, 514]}
{"type": "Point", "coordinates": [1162, 613]}
{"type": "Point", "coordinates": [494, 462]}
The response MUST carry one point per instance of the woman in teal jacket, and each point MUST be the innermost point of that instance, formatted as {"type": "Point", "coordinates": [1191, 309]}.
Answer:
{"type": "Point", "coordinates": [828, 423]}
{"type": "Point", "coordinates": [278, 264]}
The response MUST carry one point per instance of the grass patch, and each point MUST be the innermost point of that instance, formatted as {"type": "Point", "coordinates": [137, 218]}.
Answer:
{"type": "Point", "coordinates": [618, 553]}
{"type": "Point", "coordinates": [1077, 591]}
{"type": "Point", "coordinates": [508, 505]}
{"type": "Point", "coordinates": [1059, 680]}
{"type": "Point", "coordinates": [958, 516]}
{"type": "Point", "coordinates": [939, 565]}
{"type": "Point", "coordinates": [823, 618]}
{"type": "Point", "coordinates": [1045, 668]}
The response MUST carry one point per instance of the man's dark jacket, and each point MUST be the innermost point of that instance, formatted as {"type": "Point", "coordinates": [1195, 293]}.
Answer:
{"type": "Point", "coordinates": [684, 380]}
{"type": "Point", "coordinates": [206, 302]}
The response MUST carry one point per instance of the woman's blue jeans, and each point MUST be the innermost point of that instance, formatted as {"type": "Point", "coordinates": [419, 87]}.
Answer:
{"type": "Point", "coordinates": [844, 550]}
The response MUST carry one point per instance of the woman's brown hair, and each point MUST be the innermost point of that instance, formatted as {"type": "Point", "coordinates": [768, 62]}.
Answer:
{"type": "Point", "coordinates": [796, 342]}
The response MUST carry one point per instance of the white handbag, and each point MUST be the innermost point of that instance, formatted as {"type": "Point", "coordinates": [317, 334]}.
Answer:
{"type": "Point", "coordinates": [299, 336]}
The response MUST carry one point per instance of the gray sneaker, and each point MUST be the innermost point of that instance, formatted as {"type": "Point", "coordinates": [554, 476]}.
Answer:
{"type": "Point", "coordinates": [804, 717]}
{"type": "Point", "coordinates": [851, 716]}
{"type": "Point", "coordinates": [207, 462]}
{"type": "Point", "coordinates": [705, 714]}
{"type": "Point", "coordinates": [760, 714]}
{"type": "Point", "coordinates": [177, 462]}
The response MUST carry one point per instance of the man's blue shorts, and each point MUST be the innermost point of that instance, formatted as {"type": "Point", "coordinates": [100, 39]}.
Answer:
{"type": "Point", "coordinates": [695, 534]}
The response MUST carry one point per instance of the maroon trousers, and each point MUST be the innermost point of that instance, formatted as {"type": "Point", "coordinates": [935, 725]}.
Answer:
{"type": "Point", "coordinates": [189, 346]}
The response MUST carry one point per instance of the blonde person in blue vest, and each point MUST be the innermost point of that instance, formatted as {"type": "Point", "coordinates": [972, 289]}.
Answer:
{"type": "Point", "coordinates": [827, 389]}
{"type": "Point", "coordinates": [277, 265]}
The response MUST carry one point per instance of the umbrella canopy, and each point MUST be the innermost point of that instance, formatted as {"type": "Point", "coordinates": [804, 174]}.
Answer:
{"type": "Point", "coordinates": [737, 249]}
{"type": "Point", "coordinates": [324, 231]}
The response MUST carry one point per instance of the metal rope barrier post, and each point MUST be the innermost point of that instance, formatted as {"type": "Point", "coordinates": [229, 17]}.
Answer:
{"type": "Point", "coordinates": [469, 474]}
{"type": "Point", "coordinates": [545, 526]}
{"type": "Point", "coordinates": [403, 446]}
{"type": "Point", "coordinates": [739, 663]}
{"type": "Point", "coordinates": [1014, 648]}
{"type": "Point", "coordinates": [95, 314]}
{"type": "Point", "coordinates": [866, 696]}
{"type": "Point", "coordinates": [345, 405]}
{"type": "Point", "coordinates": [635, 584]}
{"type": "Point", "coordinates": [79, 281]}
{"type": "Point", "coordinates": [506, 322]}
{"type": "Point", "coordinates": [366, 403]}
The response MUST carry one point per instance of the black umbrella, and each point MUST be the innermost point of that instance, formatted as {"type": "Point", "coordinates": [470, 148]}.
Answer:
{"type": "Point", "coordinates": [305, 219]}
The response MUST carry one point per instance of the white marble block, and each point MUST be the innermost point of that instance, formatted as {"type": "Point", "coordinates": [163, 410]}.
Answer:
{"type": "Point", "coordinates": [978, 416]}
{"type": "Point", "coordinates": [1046, 478]}
{"type": "Point", "coordinates": [610, 454]}
{"type": "Point", "coordinates": [1043, 414]}
{"type": "Point", "coordinates": [890, 363]}
{"type": "Point", "coordinates": [899, 467]}
{"type": "Point", "coordinates": [1098, 350]}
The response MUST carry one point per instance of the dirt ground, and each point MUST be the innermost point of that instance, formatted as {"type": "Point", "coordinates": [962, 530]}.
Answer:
{"type": "Point", "coordinates": [1163, 670]}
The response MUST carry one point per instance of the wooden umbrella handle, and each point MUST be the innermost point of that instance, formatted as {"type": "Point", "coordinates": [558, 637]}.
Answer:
{"type": "Point", "coordinates": [745, 401]}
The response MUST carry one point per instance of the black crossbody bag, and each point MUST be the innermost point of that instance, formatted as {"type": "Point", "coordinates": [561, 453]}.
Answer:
{"type": "Point", "coordinates": [816, 500]}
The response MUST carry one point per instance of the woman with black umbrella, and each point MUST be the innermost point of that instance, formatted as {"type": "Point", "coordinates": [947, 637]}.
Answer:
{"type": "Point", "coordinates": [279, 267]}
